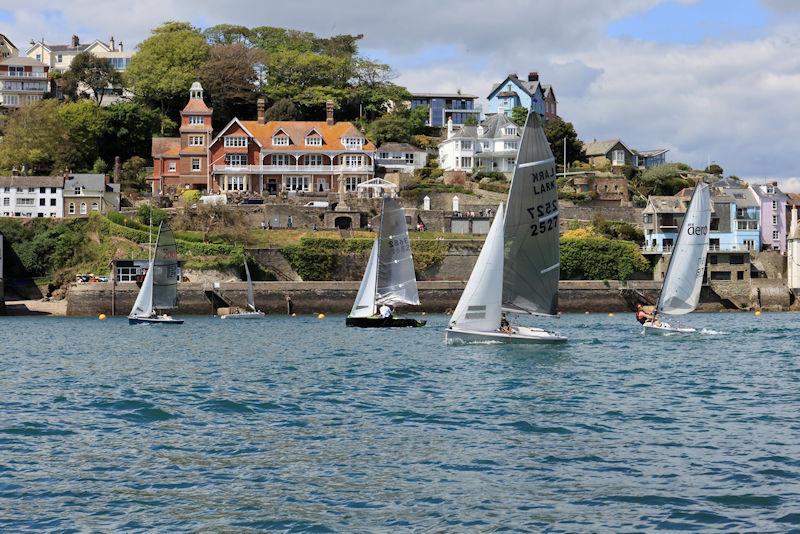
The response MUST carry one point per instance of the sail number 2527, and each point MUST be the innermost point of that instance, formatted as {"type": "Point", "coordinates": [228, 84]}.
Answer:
{"type": "Point", "coordinates": [545, 217]}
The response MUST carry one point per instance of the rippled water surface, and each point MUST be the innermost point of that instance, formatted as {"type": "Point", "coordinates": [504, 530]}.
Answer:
{"type": "Point", "coordinates": [298, 424]}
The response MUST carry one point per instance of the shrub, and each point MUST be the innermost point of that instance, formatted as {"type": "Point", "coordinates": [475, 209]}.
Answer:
{"type": "Point", "coordinates": [497, 187]}
{"type": "Point", "coordinates": [190, 196]}
{"type": "Point", "coordinates": [489, 176]}
{"type": "Point", "coordinates": [144, 214]}
{"type": "Point", "coordinates": [601, 258]}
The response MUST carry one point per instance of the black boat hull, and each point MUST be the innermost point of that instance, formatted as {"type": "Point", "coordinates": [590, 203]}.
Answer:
{"type": "Point", "coordinates": [380, 322]}
{"type": "Point", "coordinates": [147, 320]}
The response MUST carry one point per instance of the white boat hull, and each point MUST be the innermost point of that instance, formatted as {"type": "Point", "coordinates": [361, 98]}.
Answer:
{"type": "Point", "coordinates": [521, 335]}
{"type": "Point", "coordinates": [665, 330]}
{"type": "Point", "coordinates": [244, 315]}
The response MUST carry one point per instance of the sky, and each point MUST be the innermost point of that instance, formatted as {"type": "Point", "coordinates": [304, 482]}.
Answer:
{"type": "Point", "coordinates": [711, 80]}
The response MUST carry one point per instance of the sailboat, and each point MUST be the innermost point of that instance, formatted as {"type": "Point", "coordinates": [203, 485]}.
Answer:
{"type": "Point", "coordinates": [680, 291]}
{"type": "Point", "coordinates": [389, 277]}
{"type": "Point", "coordinates": [517, 270]}
{"type": "Point", "coordinates": [159, 289]}
{"type": "Point", "coordinates": [251, 312]}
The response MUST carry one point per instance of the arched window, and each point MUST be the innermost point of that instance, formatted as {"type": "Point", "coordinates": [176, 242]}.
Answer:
{"type": "Point", "coordinates": [83, 208]}
{"type": "Point", "coordinates": [72, 208]}
{"type": "Point", "coordinates": [95, 207]}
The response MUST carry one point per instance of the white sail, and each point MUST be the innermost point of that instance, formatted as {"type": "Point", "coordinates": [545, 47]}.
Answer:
{"type": "Point", "coordinates": [530, 280]}
{"type": "Point", "coordinates": [479, 308]}
{"type": "Point", "coordinates": [143, 307]}
{"type": "Point", "coordinates": [364, 305]}
{"type": "Point", "coordinates": [251, 300]}
{"type": "Point", "coordinates": [681, 290]}
{"type": "Point", "coordinates": [397, 283]}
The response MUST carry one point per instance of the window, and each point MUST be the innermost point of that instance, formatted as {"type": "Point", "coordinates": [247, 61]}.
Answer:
{"type": "Point", "coordinates": [236, 160]}
{"type": "Point", "coordinates": [466, 163]}
{"type": "Point", "coordinates": [297, 183]}
{"type": "Point", "coordinates": [11, 100]}
{"type": "Point", "coordinates": [280, 140]}
{"type": "Point", "coordinates": [314, 159]}
{"type": "Point", "coordinates": [353, 143]}
{"type": "Point", "coordinates": [95, 207]}
{"type": "Point", "coordinates": [195, 120]}
{"type": "Point", "coordinates": [713, 259]}
{"type": "Point", "coordinates": [736, 259]}
{"type": "Point", "coordinates": [127, 274]}
{"type": "Point", "coordinates": [235, 183]}
{"type": "Point", "coordinates": [314, 141]}
{"type": "Point", "coordinates": [383, 155]}
{"type": "Point", "coordinates": [195, 164]}
{"type": "Point", "coordinates": [196, 140]}
{"type": "Point", "coordinates": [775, 235]}
{"type": "Point", "coordinates": [774, 220]}
{"type": "Point", "coordinates": [740, 275]}
{"type": "Point", "coordinates": [409, 157]}
{"type": "Point", "coordinates": [72, 208]}
{"type": "Point", "coordinates": [510, 162]}
{"type": "Point", "coordinates": [83, 208]}
{"type": "Point", "coordinates": [353, 161]}
{"type": "Point", "coordinates": [509, 130]}
{"type": "Point", "coordinates": [173, 166]}
{"type": "Point", "coordinates": [351, 182]}
{"type": "Point", "coordinates": [510, 145]}
{"type": "Point", "coordinates": [25, 202]}
{"type": "Point", "coordinates": [465, 145]}
{"type": "Point", "coordinates": [485, 145]}
{"type": "Point", "coordinates": [237, 141]}
{"type": "Point", "coordinates": [42, 190]}
{"type": "Point", "coordinates": [280, 159]}
{"type": "Point", "coordinates": [6, 201]}
{"type": "Point", "coordinates": [774, 205]}
{"type": "Point", "coordinates": [749, 244]}
{"type": "Point", "coordinates": [59, 58]}
{"type": "Point", "coordinates": [618, 157]}
{"type": "Point", "coordinates": [53, 190]}
{"type": "Point", "coordinates": [38, 57]}
{"type": "Point", "coordinates": [31, 190]}
{"type": "Point", "coordinates": [41, 202]}
{"type": "Point", "coordinates": [721, 275]}
{"type": "Point", "coordinates": [52, 202]}
{"type": "Point", "coordinates": [78, 190]}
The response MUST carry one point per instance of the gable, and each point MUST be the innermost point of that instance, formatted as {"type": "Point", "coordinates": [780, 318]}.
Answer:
{"type": "Point", "coordinates": [234, 127]}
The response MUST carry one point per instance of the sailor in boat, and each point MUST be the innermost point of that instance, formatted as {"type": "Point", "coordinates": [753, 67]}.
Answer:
{"type": "Point", "coordinates": [386, 312]}
{"type": "Point", "coordinates": [505, 326]}
{"type": "Point", "coordinates": [643, 317]}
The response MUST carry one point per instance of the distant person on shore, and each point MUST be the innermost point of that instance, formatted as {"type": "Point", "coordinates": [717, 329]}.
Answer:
{"type": "Point", "coordinates": [386, 312]}
{"type": "Point", "coordinates": [289, 305]}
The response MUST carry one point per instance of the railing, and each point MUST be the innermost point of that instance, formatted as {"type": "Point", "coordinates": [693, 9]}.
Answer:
{"type": "Point", "coordinates": [15, 74]}
{"type": "Point", "coordinates": [274, 169]}
{"type": "Point", "coordinates": [23, 89]}
{"type": "Point", "coordinates": [667, 249]}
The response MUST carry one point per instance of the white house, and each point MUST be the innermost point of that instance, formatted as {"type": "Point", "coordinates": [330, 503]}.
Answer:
{"type": "Point", "coordinates": [490, 146]}
{"type": "Point", "coordinates": [401, 157]}
{"type": "Point", "coordinates": [31, 196]}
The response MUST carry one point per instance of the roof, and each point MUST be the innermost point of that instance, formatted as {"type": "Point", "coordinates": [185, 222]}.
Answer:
{"type": "Point", "coordinates": [31, 181]}
{"type": "Point", "coordinates": [664, 204]}
{"type": "Point", "coordinates": [399, 147]}
{"type": "Point", "coordinates": [548, 91]}
{"type": "Point", "coordinates": [444, 95]}
{"type": "Point", "coordinates": [652, 153]}
{"type": "Point", "coordinates": [296, 130]}
{"type": "Point", "coordinates": [4, 37]}
{"type": "Point", "coordinates": [777, 194]}
{"type": "Point", "coordinates": [528, 87]}
{"type": "Point", "coordinates": [22, 61]}
{"type": "Point", "coordinates": [90, 182]}
{"type": "Point", "coordinates": [601, 148]}
{"type": "Point", "coordinates": [163, 145]}
{"type": "Point", "coordinates": [196, 105]}
{"type": "Point", "coordinates": [491, 128]}
{"type": "Point", "coordinates": [200, 150]}
{"type": "Point", "coordinates": [730, 182]}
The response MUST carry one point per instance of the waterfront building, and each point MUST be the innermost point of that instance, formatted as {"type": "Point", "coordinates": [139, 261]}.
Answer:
{"type": "Point", "coordinates": [490, 146]}
{"type": "Point", "coordinates": [85, 194]}
{"type": "Point", "coordinates": [182, 162]}
{"type": "Point", "coordinates": [31, 196]}
{"type": "Point", "coordinates": [23, 81]}
{"type": "Point", "coordinates": [292, 157]}
{"type": "Point", "coordinates": [773, 215]}
{"type": "Point", "coordinates": [7, 48]}
{"type": "Point", "coordinates": [401, 157]}
{"type": "Point", "coordinates": [531, 94]}
{"type": "Point", "coordinates": [458, 107]}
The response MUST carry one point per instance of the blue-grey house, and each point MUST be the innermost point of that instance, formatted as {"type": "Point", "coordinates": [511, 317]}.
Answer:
{"type": "Point", "coordinates": [513, 92]}
{"type": "Point", "coordinates": [443, 106]}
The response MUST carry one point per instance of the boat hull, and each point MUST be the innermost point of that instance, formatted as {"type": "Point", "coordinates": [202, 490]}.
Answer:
{"type": "Point", "coordinates": [380, 322]}
{"type": "Point", "coordinates": [244, 315]}
{"type": "Point", "coordinates": [520, 336]}
{"type": "Point", "coordinates": [154, 320]}
{"type": "Point", "coordinates": [666, 330]}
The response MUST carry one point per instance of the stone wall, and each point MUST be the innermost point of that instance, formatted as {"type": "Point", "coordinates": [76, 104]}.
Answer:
{"type": "Point", "coordinates": [610, 213]}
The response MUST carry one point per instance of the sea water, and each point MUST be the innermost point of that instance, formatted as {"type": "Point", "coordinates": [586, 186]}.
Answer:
{"type": "Point", "coordinates": [300, 424]}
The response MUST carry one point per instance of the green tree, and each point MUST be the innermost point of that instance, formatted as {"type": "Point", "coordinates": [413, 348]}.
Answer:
{"type": "Point", "coordinates": [144, 212]}
{"type": "Point", "coordinates": [229, 76]}
{"type": "Point", "coordinates": [519, 114]}
{"type": "Point", "coordinates": [225, 34]}
{"type": "Point", "coordinates": [93, 72]}
{"type": "Point", "coordinates": [714, 169]}
{"type": "Point", "coordinates": [557, 131]}
{"type": "Point", "coordinates": [282, 110]}
{"type": "Point", "coordinates": [31, 136]}
{"type": "Point", "coordinates": [100, 166]}
{"type": "Point", "coordinates": [130, 129]}
{"type": "Point", "coordinates": [85, 124]}
{"type": "Point", "coordinates": [661, 180]}
{"type": "Point", "coordinates": [132, 175]}
{"type": "Point", "coordinates": [166, 64]}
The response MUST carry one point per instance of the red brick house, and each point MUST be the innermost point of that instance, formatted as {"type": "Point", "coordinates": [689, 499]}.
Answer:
{"type": "Point", "coordinates": [182, 162]}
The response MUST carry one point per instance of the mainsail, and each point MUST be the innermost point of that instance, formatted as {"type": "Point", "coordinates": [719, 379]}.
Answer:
{"type": "Point", "coordinates": [165, 269]}
{"type": "Point", "coordinates": [251, 300]}
{"type": "Point", "coordinates": [396, 283]}
{"type": "Point", "coordinates": [531, 271]}
{"type": "Point", "coordinates": [681, 290]}
{"type": "Point", "coordinates": [480, 305]}
{"type": "Point", "coordinates": [143, 307]}
{"type": "Point", "coordinates": [364, 306]}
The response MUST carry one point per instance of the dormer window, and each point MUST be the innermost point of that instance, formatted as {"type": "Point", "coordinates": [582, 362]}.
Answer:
{"type": "Point", "coordinates": [234, 141]}
{"type": "Point", "coordinates": [353, 143]}
{"type": "Point", "coordinates": [77, 190]}
{"type": "Point", "coordinates": [280, 140]}
{"type": "Point", "coordinates": [314, 140]}
{"type": "Point", "coordinates": [509, 130]}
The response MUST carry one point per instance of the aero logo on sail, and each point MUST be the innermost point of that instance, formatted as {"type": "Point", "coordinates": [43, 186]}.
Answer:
{"type": "Point", "coordinates": [697, 230]}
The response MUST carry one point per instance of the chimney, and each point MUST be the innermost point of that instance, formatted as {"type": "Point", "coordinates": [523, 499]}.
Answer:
{"type": "Point", "coordinates": [512, 75]}
{"type": "Point", "coordinates": [121, 48]}
{"type": "Point", "coordinates": [261, 106]}
{"type": "Point", "coordinates": [75, 41]}
{"type": "Point", "coordinates": [111, 42]}
{"type": "Point", "coordinates": [450, 127]}
{"type": "Point", "coordinates": [533, 76]}
{"type": "Point", "coordinates": [329, 112]}
{"type": "Point", "coordinates": [793, 227]}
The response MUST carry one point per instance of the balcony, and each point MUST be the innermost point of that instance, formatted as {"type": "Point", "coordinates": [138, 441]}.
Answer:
{"type": "Point", "coordinates": [280, 169]}
{"type": "Point", "coordinates": [667, 249]}
{"type": "Point", "coordinates": [14, 74]}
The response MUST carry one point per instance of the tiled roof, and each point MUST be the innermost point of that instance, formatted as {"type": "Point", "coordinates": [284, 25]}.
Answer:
{"type": "Point", "coordinates": [90, 182]}
{"type": "Point", "coordinates": [664, 204]}
{"type": "Point", "coordinates": [399, 147]}
{"type": "Point", "coordinates": [599, 148]}
{"type": "Point", "coordinates": [22, 61]}
{"type": "Point", "coordinates": [297, 130]}
{"type": "Point", "coordinates": [444, 95]}
{"type": "Point", "coordinates": [31, 181]}
{"type": "Point", "coordinates": [194, 150]}
{"type": "Point", "coordinates": [163, 145]}
{"type": "Point", "coordinates": [196, 105]}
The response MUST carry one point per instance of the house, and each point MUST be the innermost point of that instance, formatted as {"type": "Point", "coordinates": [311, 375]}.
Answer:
{"type": "Point", "coordinates": [58, 57]}
{"type": "Point", "coordinates": [23, 81]}
{"type": "Point", "coordinates": [531, 94]}
{"type": "Point", "coordinates": [446, 106]}
{"type": "Point", "coordinates": [773, 215]}
{"type": "Point", "coordinates": [490, 146]}
{"type": "Point", "coordinates": [7, 48]}
{"type": "Point", "coordinates": [647, 159]}
{"type": "Point", "coordinates": [401, 157]}
{"type": "Point", "coordinates": [182, 162]}
{"type": "Point", "coordinates": [31, 196]}
{"type": "Point", "coordinates": [89, 193]}
{"type": "Point", "coordinates": [613, 151]}
{"type": "Point", "coordinates": [292, 157]}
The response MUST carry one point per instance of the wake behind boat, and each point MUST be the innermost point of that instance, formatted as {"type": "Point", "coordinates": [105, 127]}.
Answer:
{"type": "Point", "coordinates": [251, 312]}
{"type": "Point", "coordinates": [518, 267]}
{"type": "Point", "coordinates": [389, 278]}
{"type": "Point", "coordinates": [680, 292]}
{"type": "Point", "coordinates": [159, 289]}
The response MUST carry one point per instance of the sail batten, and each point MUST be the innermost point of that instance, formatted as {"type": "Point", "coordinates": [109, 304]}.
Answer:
{"type": "Point", "coordinates": [531, 230]}
{"type": "Point", "coordinates": [680, 292]}
{"type": "Point", "coordinates": [396, 281]}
